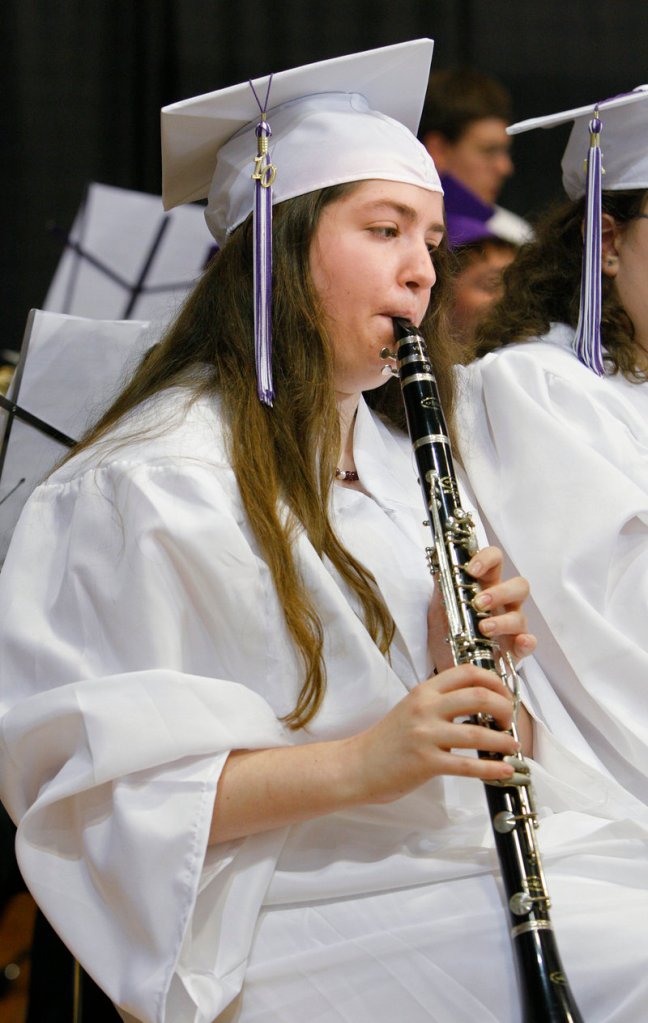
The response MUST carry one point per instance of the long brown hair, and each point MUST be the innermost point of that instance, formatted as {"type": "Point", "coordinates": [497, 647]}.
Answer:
{"type": "Point", "coordinates": [542, 286]}
{"type": "Point", "coordinates": [283, 457]}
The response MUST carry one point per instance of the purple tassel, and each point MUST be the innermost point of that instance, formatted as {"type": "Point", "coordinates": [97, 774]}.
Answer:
{"type": "Point", "coordinates": [587, 342]}
{"type": "Point", "coordinates": [263, 176]}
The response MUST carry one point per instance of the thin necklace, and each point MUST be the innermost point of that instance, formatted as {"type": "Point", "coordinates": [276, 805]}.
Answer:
{"type": "Point", "coordinates": [349, 475]}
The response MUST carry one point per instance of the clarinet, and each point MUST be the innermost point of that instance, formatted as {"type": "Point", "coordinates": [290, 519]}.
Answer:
{"type": "Point", "coordinates": [544, 989]}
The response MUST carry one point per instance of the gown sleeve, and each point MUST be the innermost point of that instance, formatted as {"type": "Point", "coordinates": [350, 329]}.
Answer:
{"type": "Point", "coordinates": [558, 461]}
{"type": "Point", "coordinates": [120, 621]}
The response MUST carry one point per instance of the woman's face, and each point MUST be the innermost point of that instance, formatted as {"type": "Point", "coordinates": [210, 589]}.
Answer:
{"type": "Point", "coordinates": [477, 287]}
{"type": "Point", "coordinates": [371, 260]}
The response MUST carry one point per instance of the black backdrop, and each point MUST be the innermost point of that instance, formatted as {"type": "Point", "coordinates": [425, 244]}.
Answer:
{"type": "Point", "coordinates": [81, 83]}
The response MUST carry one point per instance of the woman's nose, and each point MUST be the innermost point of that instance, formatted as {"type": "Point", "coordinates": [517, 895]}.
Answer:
{"type": "Point", "coordinates": [420, 272]}
{"type": "Point", "coordinates": [505, 165]}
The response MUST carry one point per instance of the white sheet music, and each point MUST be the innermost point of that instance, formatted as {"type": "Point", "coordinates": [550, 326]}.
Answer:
{"type": "Point", "coordinates": [70, 369]}
{"type": "Point", "coordinates": [117, 229]}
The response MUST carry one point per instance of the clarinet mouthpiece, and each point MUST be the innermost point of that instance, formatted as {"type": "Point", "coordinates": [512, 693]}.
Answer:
{"type": "Point", "coordinates": [402, 327]}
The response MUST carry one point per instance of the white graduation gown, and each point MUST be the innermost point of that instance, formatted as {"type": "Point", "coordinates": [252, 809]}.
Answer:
{"type": "Point", "coordinates": [558, 461]}
{"type": "Point", "coordinates": [142, 641]}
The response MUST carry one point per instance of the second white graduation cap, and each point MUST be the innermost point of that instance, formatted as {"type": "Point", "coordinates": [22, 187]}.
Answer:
{"type": "Point", "coordinates": [253, 145]}
{"type": "Point", "coordinates": [607, 150]}
{"type": "Point", "coordinates": [624, 141]}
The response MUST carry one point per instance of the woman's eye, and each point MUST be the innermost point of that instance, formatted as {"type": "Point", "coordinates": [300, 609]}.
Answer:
{"type": "Point", "coordinates": [385, 231]}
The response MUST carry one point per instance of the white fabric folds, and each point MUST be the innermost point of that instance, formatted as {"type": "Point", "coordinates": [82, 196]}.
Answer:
{"type": "Point", "coordinates": [141, 641]}
{"type": "Point", "coordinates": [566, 495]}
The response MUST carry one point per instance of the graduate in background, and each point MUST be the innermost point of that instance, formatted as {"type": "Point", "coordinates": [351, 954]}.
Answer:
{"type": "Point", "coordinates": [480, 256]}
{"type": "Point", "coordinates": [230, 734]}
{"type": "Point", "coordinates": [555, 422]}
{"type": "Point", "coordinates": [463, 127]}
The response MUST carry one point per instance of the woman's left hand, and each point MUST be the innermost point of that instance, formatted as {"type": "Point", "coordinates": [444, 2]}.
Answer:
{"type": "Point", "coordinates": [502, 599]}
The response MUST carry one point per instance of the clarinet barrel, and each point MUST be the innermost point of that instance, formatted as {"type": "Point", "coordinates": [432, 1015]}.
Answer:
{"type": "Point", "coordinates": [544, 989]}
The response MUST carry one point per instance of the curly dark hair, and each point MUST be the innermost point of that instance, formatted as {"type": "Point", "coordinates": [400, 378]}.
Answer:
{"type": "Point", "coordinates": [542, 286]}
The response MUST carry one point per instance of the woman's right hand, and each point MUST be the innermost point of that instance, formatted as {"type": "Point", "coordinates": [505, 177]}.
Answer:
{"type": "Point", "coordinates": [419, 737]}
{"type": "Point", "coordinates": [415, 741]}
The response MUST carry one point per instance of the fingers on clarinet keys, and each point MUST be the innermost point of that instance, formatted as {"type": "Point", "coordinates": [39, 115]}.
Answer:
{"type": "Point", "coordinates": [480, 601]}
{"type": "Point", "coordinates": [521, 774]}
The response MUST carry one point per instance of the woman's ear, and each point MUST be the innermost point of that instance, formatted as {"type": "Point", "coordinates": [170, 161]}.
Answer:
{"type": "Point", "coordinates": [609, 245]}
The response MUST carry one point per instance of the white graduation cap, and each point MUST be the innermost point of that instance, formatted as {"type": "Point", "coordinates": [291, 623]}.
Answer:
{"type": "Point", "coordinates": [70, 369]}
{"type": "Point", "coordinates": [607, 149]}
{"type": "Point", "coordinates": [252, 145]}
{"type": "Point", "coordinates": [125, 258]}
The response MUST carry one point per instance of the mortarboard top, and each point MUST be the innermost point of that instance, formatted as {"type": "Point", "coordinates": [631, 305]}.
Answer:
{"type": "Point", "coordinates": [624, 141]}
{"type": "Point", "coordinates": [253, 145]}
{"type": "Point", "coordinates": [392, 80]}
{"type": "Point", "coordinates": [69, 371]}
{"type": "Point", "coordinates": [607, 150]}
